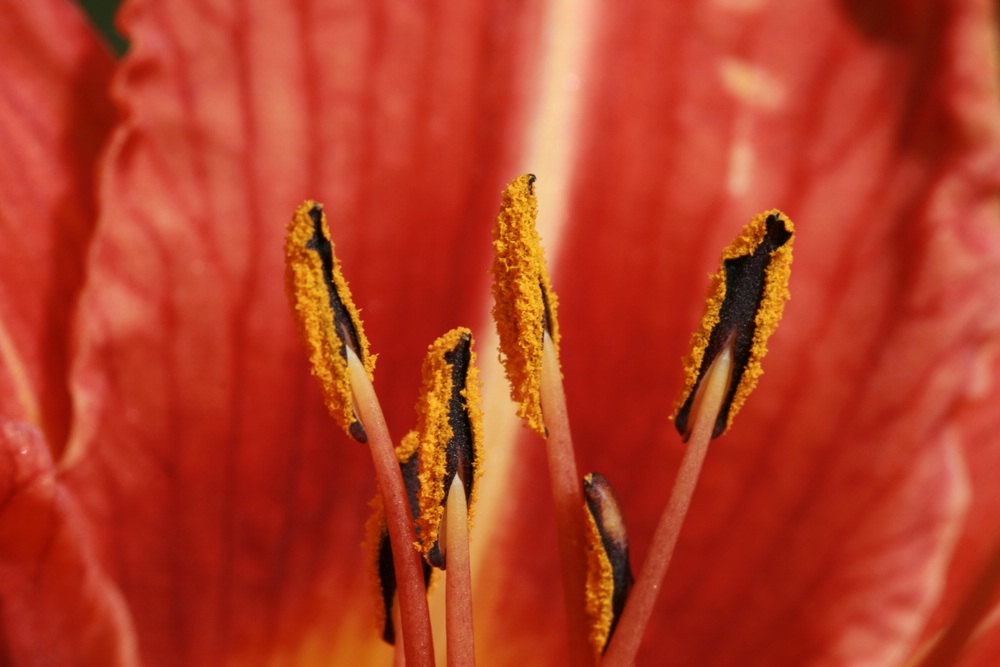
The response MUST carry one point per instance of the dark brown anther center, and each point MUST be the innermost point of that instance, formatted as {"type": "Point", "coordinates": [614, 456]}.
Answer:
{"type": "Point", "coordinates": [342, 323]}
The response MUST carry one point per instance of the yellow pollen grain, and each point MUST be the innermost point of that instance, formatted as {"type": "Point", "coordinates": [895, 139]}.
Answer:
{"type": "Point", "coordinates": [519, 276]}
{"type": "Point", "coordinates": [310, 301]}
{"type": "Point", "coordinates": [600, 586]}
{"type": "Point", "coordinates": [768, 315]}
{"type": "Point", "coordinates": [407, 447]}
{"type": "Point", "coordinates": [434, 432]}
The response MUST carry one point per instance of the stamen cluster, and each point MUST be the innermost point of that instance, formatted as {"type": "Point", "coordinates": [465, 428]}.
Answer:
{"type": "Point", "coordinates": [428, 484]}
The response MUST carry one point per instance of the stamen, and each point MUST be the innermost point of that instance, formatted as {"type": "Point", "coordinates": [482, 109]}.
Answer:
{"type": "Point", "coordinates": [414, 615]}
{"type": "Point", "coordinates": [745, 301]}
{"type": "Point", "coordinates": [458, 582]}
{"type": "Point", "coordinates": [625, 644]}
{"type": "Point", "coordinates": [450, 433]}
{"type": "Point", "coordinates": [609, 574]}
{"type": "Point", "coordinates": [327, 318]}
{"type": "Point", "coordinates": [567, 497]}
{"type": "Point", "coordinates": [525, 313]}
{"type": "Point", "coordinates": [339, 356]}
{"type": "Point", "coordinates": [383, 574]}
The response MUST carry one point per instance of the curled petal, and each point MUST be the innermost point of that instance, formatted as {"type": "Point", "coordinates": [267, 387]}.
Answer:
{"type": "Point", "coordinates": [54, 119]}
{"type": "Point", "coordinates": [58, 602]}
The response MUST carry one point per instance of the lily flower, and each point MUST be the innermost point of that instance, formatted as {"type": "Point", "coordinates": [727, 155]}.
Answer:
{"type": "Point", "coordinates": [173, 490]}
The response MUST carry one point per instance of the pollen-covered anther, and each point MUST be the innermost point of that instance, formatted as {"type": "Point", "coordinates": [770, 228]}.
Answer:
{"type": "Point", "coordinates": [609, 574]}
{"type": "Point", "coordinates": [450, 434]}
{"type": "Point", "coordinates": [524, 304]}
{"type": "Point", "coordinates": [745, 302]}
{"type": "Point", "coordinates": [328, 320]}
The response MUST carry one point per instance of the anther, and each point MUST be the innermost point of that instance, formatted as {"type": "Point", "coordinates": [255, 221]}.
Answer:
{"type": "Point", "coordinates": [449, 432]}
{"type": "Point", "coordinates": [525, 314]}
{"type": "Point", "coordinates": [745, 302]}
{"type": "Point", "coordinates": [609, 573]}
{"type": "Point", "coordinates": [524, 304]}
{"type": "Point", "coordinates": [328, 320]}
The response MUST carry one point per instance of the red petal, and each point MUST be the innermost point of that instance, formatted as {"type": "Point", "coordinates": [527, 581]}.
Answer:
{"type": "Point", "coordinates": [821, 530]}
{"type": "Point", "coordinates": [59, 607]}
{"type": "Point", "coordinates": [54, 118]}
{"type": "Point", "coordinates": [229, 502]}
{"type": "Point", "coordinates": [977, 549]}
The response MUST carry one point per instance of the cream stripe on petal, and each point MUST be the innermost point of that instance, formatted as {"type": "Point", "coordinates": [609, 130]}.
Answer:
{"type": "Point", "coordinates": [551, 151]}
{"type": "Point", "coordinates": [549, 154]}
{"type": "Point", "coordinates": [11, 361]}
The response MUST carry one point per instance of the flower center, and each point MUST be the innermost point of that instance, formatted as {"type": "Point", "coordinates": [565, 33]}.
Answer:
{"type": "Point", "coordinates": [427, 486]}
